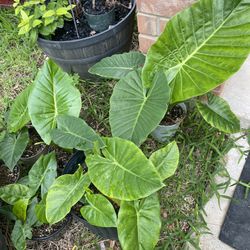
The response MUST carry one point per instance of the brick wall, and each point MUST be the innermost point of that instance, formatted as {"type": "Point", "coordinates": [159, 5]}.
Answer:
{"type": "Point", "coordinates": [152, 17]}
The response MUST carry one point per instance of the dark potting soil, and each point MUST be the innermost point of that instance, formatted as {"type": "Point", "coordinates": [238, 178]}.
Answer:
{"type": "Point", "coordinates": [101, 7]}
{"type": "Point", "coordinates": [62, 157]}
{"type": "Point", "coordinates": [173, 116]}
{"type": "Point", "coordinates": [35, 144]}
{"type": "Point", "coordinates": [46, 229]}
{"type": "Point", "coordinates": [7, 176]}
{"type": "Point", "coordinates": [122, 8]}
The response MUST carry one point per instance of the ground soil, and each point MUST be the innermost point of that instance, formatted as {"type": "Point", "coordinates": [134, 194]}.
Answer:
{"type": "Point", "coordinates": [173, 116]}
{"type": "Point", "coordinates": [68, 32]}
{"type": "Point", "coordinates": [7, 176]}
{"type": "Point", "coordinates": [35, 144]}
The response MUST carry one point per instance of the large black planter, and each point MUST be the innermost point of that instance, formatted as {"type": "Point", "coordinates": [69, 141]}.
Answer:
{"type": "Point", "coordinates": [77, 56]}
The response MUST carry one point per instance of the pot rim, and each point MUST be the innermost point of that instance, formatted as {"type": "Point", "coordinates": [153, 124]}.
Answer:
{"type": "Point", "coordinates": [54, 234]}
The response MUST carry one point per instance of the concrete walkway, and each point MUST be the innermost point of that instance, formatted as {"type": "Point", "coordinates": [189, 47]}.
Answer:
{"type": "Point", "coordinates": [237, 93]}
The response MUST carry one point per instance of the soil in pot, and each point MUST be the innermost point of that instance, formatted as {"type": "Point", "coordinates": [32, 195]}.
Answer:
{"type": "Point", "coordinates": [50, 232]}
{"type": "Point", "coordinates": [35, 145]}
{"type": "Point", "coordinates": [175, 115]}
{"type": "Point", "coordinates": [101, 7]}
{"type": "Point", "coordinates": [7, 176]}
{"type": "Point", "coordinates": [62, 158]}
{"type": "Point", "coordinates": [68, 32]}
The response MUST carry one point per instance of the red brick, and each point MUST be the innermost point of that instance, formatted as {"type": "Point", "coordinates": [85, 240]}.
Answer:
{"type": "Point", "coordinates": [145, 42]}
{"type": "Point", "coordinates": [147, 24]}
{"type": "Point", "coordinates": [163, 22]}
{"type": "Point", "coordinates": [166, 8]}
{"type": "Point", "coordinates": [219, 90]}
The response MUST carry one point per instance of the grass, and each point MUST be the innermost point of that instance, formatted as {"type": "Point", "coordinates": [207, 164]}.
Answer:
{"type": "Point", "coordinates": [202, 148]}
{"type": "Point", "coordinates": [19, 60]}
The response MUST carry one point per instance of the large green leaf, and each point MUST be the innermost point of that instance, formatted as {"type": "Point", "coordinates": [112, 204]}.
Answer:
{"type": "Point", "coordinates": [19, 115]}
{"type": "Point", "coordinates": [100, 212]}
{"type": "Point", "coordinates": [75, 133]}
{"type": "Point", "coordinates": [40, 210]}
{"type": "Point", "coordinates": [134, 111]}
{"type": "Point", "coordinates": [139, 223]}
{"type": "Point", "coordinates": [118, 66]}
{"type": "Point", "coordinates": [124, 173]}
{"type": "Point", "coordinates": [12, 147]}
{"type": "Point", "coordinates": [12, 193]}
{"type": "Point", "coordinates": [166, 160]}
{"type": "Point", "coordinates": [218, 114]}
{"type": "Point", "coordinates": [20, 209]}
{"type": "Point", "coordinates": [53, 94]}
{"type": "Point", "coordinates": [43, 173]}
{"type": "Point", "coordinates": [19, 235]}
{"type": "Point", "coordinates": [201, 47]}
{"type": "Point", "coordinates": [65, 192]}
{"type": "Point", "coordinates": [31, 215]}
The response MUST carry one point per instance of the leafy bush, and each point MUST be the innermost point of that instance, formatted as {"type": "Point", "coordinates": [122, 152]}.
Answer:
{"type": "Point", "coordinates": [41, 17]}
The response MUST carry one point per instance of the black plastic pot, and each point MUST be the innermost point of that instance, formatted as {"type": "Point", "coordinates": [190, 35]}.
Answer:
{"type": "Point", "coordinates": [58, 233]}
{"type": "Point", "coordinates": [164, 133]}
{"type": "Point", "coordinates": [30, 161]}
{"type": "Point", "coordinates": [100, 22]}
{"type": "Point", "coordinates": [77, 56]}
{"type": "Point", "coordinates": [103, 232]}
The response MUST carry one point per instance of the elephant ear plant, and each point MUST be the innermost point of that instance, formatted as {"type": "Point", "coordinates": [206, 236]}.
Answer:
{"type": "Point", "coordinates": [196, 53]}
{"type": "Point", "coordinates": [26, 199]}
{"type": "Point", "coordinates": [53, 93]}
{"type": "Point", "coordinates": [123, 176]}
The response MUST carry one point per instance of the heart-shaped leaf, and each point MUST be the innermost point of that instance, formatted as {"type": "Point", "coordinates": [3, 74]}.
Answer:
{"type": "Point", "coordinates": [20, 209]}
{"type": "Point", "coordinates": [118, 66]}
{"type": "Point", "coordinates": [124, 173]}
{"type": "Point", "coordinates": [135, 111]}
{"type": "Point", "coordinates": [19, 115]}
{"type": "Point", "coordinates": [19, 235]}
{"type": "Point", "coordinates": [12, 193]}
{"type": "Point", "coordinates": [53, 95]}
{"type": "Point", "coordinates": [100, 212]}
{"type": "Point", "coordinates": [75, 133]}
{"type": "Point", "coordinates": [65, 192]}
{"type": "Point", "coordinates": [218, 114]}
{"type": "Point", "coordinates": [43, 173]}
{"type": "Point", "coordinates": [166, 160]}
{"type": "Point", "coordinates": [201, 47]}
{"type": "Point", "coordinates": [12, 147]}
{"type": "Point", "coordinates": [139, 223]}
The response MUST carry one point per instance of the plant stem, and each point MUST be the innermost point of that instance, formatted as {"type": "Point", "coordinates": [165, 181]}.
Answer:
{"type": "Point", "coordinates": [74, 19]}
{"type": "Point", "coordinates": [93, 4]}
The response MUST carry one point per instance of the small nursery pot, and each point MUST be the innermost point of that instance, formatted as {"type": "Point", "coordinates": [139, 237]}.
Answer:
{"type": "Point", "coordinates": [29, 161]}
{"type": "Point", "coordinates": [103, 232]}
{"type": "Point", "coordinates": [58, 233]}
{"type": "Point", "coordinates": [100, 22]}
{"type": "Point", "coordinates": [163, 133]}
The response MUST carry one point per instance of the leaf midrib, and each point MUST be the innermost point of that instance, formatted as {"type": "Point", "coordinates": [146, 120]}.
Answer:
{"type": "Point", "coordinates": [205, 41]}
